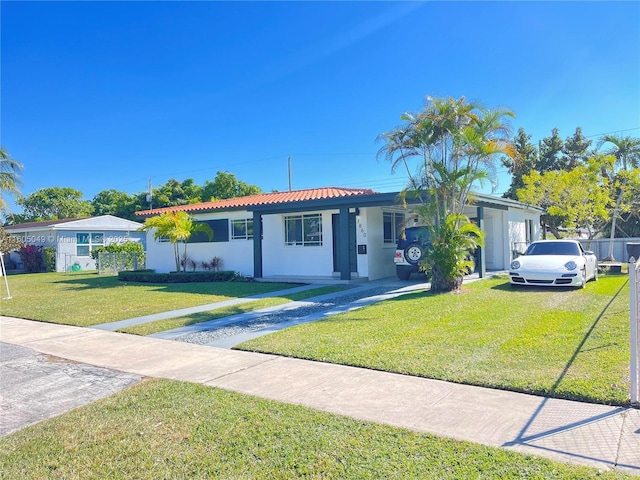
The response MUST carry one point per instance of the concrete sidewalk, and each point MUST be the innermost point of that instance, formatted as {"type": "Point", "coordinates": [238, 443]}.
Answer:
{"type": "Point", "coordinates": [588, 434]}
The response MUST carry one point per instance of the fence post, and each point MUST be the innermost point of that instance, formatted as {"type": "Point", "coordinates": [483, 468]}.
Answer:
{"type": "Point", "coordinates": [634, 314]}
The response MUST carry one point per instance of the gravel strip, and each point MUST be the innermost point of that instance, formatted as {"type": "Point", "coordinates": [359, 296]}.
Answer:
{"type": "Point", "coordinates": [268, 319]}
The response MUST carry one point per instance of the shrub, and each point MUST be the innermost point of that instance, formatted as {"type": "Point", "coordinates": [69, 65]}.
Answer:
{"type": "Point", "coordinates": [49, 259]}
{"type": "Point", "coordinates": [31, 257]}
{"type": "Point", "coordinates": [126, 256]}
{"type": "Point", "coordinates": [150, 276]}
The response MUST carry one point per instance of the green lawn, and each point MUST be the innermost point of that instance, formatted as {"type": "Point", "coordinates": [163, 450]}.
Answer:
{"type": "Point", "coordinates": [86, 299]}
{"type": "Point", "coordinates": [563, 343]}
{"type": "Point", "coordinates": [163, 429]}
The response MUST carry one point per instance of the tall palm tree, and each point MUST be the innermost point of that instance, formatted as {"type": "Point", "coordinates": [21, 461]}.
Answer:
{"type": "Point", "coordinates": [177, 227]}
{"type": "Point", "coordinates": [626, 151]}
{"type": "Point", "coordinates": [10, 170]}
{"type": "Point", "coordinates": [456, 144]}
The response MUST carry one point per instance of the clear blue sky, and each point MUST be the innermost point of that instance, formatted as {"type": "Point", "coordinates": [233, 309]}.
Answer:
{"type": "Point", "coordinates": [105, 95]}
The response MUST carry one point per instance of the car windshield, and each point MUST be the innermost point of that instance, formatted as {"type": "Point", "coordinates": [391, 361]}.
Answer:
{"type": "Point", "coordinates": [553, 248]}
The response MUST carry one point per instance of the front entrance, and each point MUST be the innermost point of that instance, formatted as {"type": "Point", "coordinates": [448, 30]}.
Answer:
{"type": "Point", "coordinates": [353, 259]}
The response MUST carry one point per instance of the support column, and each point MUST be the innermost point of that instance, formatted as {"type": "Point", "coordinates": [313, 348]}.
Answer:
{"type": "Point", "coordinates": [257, 245]}
{"type": "Point", "coordinates": [343, 244]}
{"type": "Point", "coordinates": [482, 268]}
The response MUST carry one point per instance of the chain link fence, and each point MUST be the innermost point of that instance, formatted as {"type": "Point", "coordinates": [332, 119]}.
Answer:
{"type": "Point", "coordinates": [114, 262]}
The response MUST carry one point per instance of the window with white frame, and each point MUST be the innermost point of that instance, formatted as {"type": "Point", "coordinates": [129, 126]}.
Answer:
{"type": "Point", "coordinates": [85, 242]}
{"type": "Point", "coordinates": [305, 230]}
{"type": "Point", "coordinates": [392, 225]}
{"type": "Point", "coordinates": [242, 229]}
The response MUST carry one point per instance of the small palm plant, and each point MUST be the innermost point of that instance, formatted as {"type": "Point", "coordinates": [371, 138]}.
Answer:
{"type": "Point", "coordinates": [177, 227]}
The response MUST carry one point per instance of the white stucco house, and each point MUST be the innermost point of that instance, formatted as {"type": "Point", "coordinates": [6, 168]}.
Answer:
{"type": "Point", "coordinates": [75, 238]}
{"type": "Point", "coordinates": [329, 233]}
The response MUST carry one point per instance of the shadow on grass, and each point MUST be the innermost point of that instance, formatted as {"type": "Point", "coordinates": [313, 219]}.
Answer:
{"type": "Point", "coordinates": [90, 282]}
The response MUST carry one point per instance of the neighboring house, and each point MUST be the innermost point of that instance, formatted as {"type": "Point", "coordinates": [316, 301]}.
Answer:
{"type": "Point", "coordinates": [75, 238]}
{"type": "Point", "coordinates": [340, 233]}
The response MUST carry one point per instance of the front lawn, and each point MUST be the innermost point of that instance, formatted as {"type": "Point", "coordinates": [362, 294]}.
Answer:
{"type": "Point", "coordinates": [86, 299]}
{"type": "Point", "coordinates": [555, 342]}
{"type": "Point", "coordinates": [162, 429]}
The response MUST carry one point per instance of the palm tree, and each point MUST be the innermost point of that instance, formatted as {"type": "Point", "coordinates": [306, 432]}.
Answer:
{"type": "Point", "coordinates": [626, 151]}
{"type": "Point", "coordinates": [10, 170]}
{"type": "Point", "coordinates": [177, 227]}
{"type": "Point", "coordinates": [456, 144]}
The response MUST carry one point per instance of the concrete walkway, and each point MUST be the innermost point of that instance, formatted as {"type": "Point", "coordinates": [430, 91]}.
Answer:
{"type": "Point", "coordinates": [588, 434]}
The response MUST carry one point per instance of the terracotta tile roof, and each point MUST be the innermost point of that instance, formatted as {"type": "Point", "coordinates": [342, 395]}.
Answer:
{"type": "Point", "coordinates": [264, 199]}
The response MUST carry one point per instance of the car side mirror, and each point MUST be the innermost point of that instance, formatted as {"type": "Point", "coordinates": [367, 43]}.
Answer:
{"type": "Point", "coordinates": [589, 252]}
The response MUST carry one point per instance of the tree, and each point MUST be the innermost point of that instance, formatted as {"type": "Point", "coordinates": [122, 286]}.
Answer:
{"type": "Point", "coordinates": [578, 198]}
{"type": "Point", "coordinates": [549, 153]}
{"type": "Point", "coordinates": [525, 157]}
{"type": "Point", "coordinates": [9, 243]}
{"type": "Point", "coordinates": [626, 151]}
{"type": "Point", "coordinates": [10, 182]}
{"type": "Point", "coordinates": [455, 144]}
{"type": "Point", "coordinates": [575, 150]}
{"type": "Point", "coordinates": [114, 202]}
{"type": "Point", "coordinates": [55, 203]}
{"type": "Point", "coordinates": [226, 185]}
{"type": "Point", "coordinates": [177, 227]}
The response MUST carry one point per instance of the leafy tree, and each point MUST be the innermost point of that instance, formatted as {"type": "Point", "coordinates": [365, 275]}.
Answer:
{"type": "Point", "coordinates": [10, 182]}
{"type": "Point", "coordinates": [578, 198]}
{"type": "Point", "coordinates": [525, 157]}
{"type": "Point", "coordinates": [226, 185]}
{"type": "Point", "coordinates": [575, 150]}
{"type": "Point", "coordinates": [55, 203]}
{"type": "Point", "coordinates": [114, 202]}
{"type": "Point", "coordinates": [549, 153]}
{"type": "Point", "coordinates": [175, 193]}
{"type": "Point", "coordinates": [177, 227]}
{"type": "Point", "coordinates": [626, 151]}
{"type": "Point", "coordinates": [455, 144]}
{"type": "Point", "coordinates": [9, 243]}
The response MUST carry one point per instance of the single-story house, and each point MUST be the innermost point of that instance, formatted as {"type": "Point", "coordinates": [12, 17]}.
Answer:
{"type": "Point", "coordinates": [321, 233]}
{"type": "Point", "coordinates": [75, 238]}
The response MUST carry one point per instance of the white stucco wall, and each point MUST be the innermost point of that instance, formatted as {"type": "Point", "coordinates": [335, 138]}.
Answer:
{"type": "Point", "coordinates": [281, 259]}
{"type": "Point", "coordinates": [236, 255]}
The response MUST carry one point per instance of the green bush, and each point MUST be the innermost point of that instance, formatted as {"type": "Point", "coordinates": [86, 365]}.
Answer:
{"type": "Point", "coordinates": [126, 256]}
{"type": "Point", "coordinates": [150, 276]}
{"type": "Point", "coordinates": [49, 258]}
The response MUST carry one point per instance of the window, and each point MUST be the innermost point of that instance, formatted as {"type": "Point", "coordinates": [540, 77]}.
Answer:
{"type": "Point", "coordinates": [85, 242]}
{"type": "Point", "coordinates": [305, 230]}
{"type": "Point", "coordinates": [392, 225]}
{"type": "Point", "coordinates": [220, 230]}
{"type": "Point", "coordinates": [242, 229]}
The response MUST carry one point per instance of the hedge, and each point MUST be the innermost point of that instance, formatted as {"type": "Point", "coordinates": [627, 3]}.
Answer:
{"type": "Point", "coordinates": [150, 276]}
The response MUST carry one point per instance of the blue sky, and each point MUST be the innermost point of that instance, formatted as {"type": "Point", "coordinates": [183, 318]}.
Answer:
{"type": "Point", "coordinates": [105, 95]}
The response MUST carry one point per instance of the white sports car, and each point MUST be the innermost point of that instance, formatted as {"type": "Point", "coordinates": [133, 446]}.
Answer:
{"type": "Point", "coordinates": [554, 263]}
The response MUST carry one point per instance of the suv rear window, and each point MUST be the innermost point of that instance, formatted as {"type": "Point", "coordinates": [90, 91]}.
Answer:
{"type": "Point", "coordinates": [413, 235]}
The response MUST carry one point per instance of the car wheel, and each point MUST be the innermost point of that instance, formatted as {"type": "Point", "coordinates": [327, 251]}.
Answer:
{"type": "Point", "coordinates": [413, 253]}
{"type": "Point", "coordinates": [595, 274]}
{"type": "Point", "coordinates": [584, 278]}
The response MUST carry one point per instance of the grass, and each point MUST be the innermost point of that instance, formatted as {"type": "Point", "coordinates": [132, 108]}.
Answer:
{"type": "Point", "coordinates": [562, 343]}
{"type": "Point", "coordinates": [163, 429]}
{"type": "Point", "coordinates": [176, 322]}
{"type": "Point", "coordinates": [86, 299]}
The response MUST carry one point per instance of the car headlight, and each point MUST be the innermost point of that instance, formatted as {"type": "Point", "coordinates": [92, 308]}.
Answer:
{"type": "Point", "coordinates": [515, 265]}
{"type": "Point", "coordinates": [571, 265]}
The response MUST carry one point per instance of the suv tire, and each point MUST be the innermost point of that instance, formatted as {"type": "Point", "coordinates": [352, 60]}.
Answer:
{"type": "Point", "coordinates": [413, 253]}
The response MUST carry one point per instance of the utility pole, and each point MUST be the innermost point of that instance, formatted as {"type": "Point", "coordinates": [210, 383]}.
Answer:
{"type": "Point", "coordinates": [289, 169]}
{"type": "Point", "coordinates": [150, 196]}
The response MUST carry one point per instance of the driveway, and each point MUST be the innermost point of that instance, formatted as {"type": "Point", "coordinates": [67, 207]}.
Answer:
{"type": "Point", "coordinates": [35, 386]}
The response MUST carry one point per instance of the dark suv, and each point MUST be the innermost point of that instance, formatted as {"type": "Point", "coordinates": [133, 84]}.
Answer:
{"type": "Point", "coordinates": [410, 250]}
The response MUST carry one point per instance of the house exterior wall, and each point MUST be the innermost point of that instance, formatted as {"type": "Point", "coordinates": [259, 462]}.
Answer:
{"type": "Point", "coordinates": [517, 235]}
{"type": "Point", "coordinates": [65, 242]}
{"type": "Point", "coordinates": [236, 254]}
{"type": "Point", "coordinates": [281, 259]}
